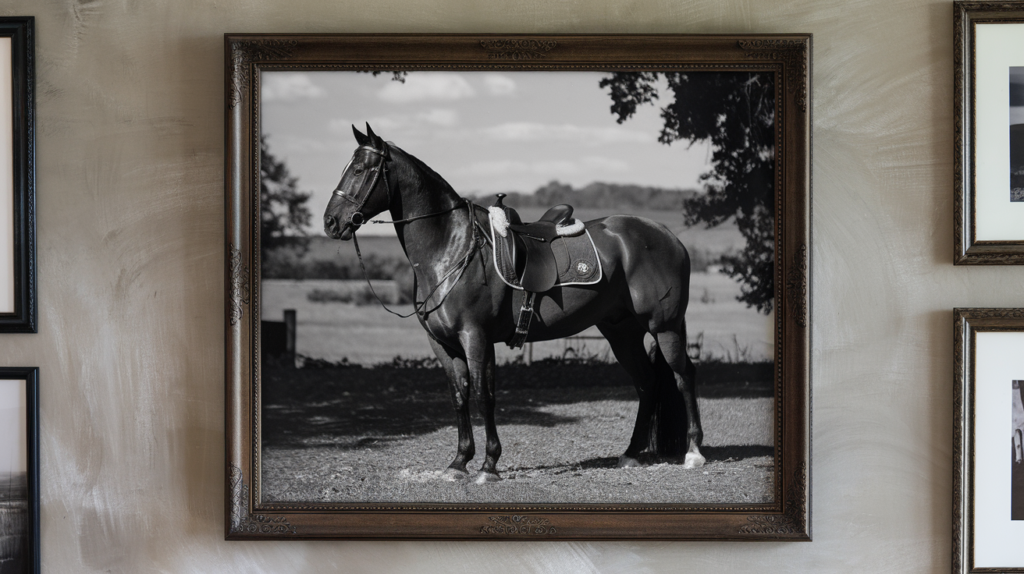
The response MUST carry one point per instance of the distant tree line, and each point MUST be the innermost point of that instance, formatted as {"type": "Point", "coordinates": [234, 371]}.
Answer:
{"type": "Point", "coordinates": [599, 195]}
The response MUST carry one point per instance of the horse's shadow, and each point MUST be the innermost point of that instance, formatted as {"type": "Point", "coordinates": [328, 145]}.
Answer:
{"type": "Point", "coordinates": [348, 408]}
{"type": "Point", "coordinates": [730, 453]}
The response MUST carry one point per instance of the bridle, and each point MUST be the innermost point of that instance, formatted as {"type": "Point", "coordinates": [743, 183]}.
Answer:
{"type": "Point", "coordinates": [357, 219]}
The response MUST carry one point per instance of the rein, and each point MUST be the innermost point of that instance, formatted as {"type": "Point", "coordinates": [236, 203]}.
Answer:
{"type": "Point", "coordinates": [459, 269]}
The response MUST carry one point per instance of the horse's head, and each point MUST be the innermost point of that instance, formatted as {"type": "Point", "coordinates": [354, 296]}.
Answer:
{"type": "Point", "coordinates": [363, 190]}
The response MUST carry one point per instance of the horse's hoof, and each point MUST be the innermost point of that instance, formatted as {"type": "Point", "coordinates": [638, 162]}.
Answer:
{"type": "Point", "coordinates": [485, 477]}
{"type": "Point", "coordinates": [693, 460]}
{"type": "Point", "coordinates": [454, 475]}
{"type": "Point", "coordinates": [627, 462]}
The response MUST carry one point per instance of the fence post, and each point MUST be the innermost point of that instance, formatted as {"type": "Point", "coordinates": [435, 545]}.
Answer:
{"type": "Point", "coordinates": [289, 334]}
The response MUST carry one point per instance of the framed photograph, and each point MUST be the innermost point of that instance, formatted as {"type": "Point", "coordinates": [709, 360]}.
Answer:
{"type": "Point", "coordinates": [19, 470]}
{"type": "Point", "coordinates": [989, 133]}
{"type": "Point", "coordinates": [988, 506]}
{"type": "Point", "coordinates": [17, 175]}
{"type": "Point", "coordinates": [518, 287]}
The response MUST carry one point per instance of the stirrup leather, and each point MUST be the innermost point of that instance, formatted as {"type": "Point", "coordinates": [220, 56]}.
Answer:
{"type": "Point", "coordinates": [523, 324]}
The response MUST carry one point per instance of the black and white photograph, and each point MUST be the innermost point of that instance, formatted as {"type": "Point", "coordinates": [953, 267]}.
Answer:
{"type": "Point", "coordinates": [1017, 481]}
{"type": "Point", "coordinates": [1016, 133]}
{"type": "Point", "coordinates": [530, 287]}
{"type": "Point", "coordinates": [18, 511]}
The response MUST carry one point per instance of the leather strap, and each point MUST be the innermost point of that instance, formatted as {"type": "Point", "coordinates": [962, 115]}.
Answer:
{"type": "Point", "coordinates": [523, 324]}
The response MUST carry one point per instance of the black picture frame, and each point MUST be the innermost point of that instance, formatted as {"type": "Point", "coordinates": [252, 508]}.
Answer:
{"type": "Point", "coordinates": [21, 31]}
{"type": "Point", "coordinates": [248, 516]}
{"type": "Point", "coordinates": [32, 532]}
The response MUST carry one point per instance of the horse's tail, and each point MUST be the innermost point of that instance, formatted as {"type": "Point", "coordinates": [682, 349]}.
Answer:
{"type": "Point", "coordinates": [668, 423]}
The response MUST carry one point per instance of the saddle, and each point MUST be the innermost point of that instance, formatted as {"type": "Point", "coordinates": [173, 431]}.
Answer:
{"type": "Point", "coordinates": [534, 257]}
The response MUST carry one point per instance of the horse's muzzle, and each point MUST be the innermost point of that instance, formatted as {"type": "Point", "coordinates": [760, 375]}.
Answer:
{"type": "Point", "coordinates": [336, 231]}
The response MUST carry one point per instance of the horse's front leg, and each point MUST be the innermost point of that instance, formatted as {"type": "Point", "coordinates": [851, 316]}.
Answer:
{"type": "Point", "coordinates": [458, 383]}
{"type": "Point", "coordinates": [480, 359]}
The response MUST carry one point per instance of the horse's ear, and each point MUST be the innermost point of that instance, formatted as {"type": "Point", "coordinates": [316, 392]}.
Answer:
{"type": "Point", "coordinates": [374, 139]}
{"type": "Point", "coordinates": [377, 142]}
{"type": "Point", "coordinates": [360, 138]}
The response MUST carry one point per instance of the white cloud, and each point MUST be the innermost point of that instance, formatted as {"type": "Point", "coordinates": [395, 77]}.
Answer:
{"type": "Point", "coordinates": [420, 87]}
{"type": "Point", "coordinates": [528, 131]}
{"type": "Point", "coordinates": [598, 163]}
{"type": "Point", "coordinates": [499, 85]}
{"type": "Point", "coordinates": [551, 169]}
{"type": "Point", "coordinates": [382, 125]}
{"type": "Point", "coordinates": [289, 87]}
{"type": "Point", "coordinates": [439, 117]}
{"type": "Point", "coordinates": [289, 144]}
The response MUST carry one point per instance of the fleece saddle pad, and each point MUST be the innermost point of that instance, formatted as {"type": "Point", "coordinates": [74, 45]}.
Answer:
{"type": "Point", "coordinates": [575, 259]}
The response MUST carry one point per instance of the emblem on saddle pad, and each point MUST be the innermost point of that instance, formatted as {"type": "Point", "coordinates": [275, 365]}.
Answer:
{"type": "Point", "coordinates": [555, 250]}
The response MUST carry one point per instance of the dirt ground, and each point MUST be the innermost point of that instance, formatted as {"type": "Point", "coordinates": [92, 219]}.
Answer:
{"type": "Point", "coordinates": [387, 433]}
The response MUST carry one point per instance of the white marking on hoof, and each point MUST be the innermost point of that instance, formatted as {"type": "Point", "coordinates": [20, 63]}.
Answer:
{"type": "Point", "coordinates": [693, 460]}
{"type": "Point", "coordinates": [485, 477]}
{"type": "Point", "coordinates": [627, 462]}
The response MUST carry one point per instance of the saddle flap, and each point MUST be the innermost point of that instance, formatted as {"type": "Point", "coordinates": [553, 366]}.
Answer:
{"type": "Point", "coordinates": [539, 271]}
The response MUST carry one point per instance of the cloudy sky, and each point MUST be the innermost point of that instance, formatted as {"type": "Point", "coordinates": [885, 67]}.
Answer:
{"type": "Point", "coordinates": [13, 456]}
{"type": "Point", "coordinates": [484, 132]}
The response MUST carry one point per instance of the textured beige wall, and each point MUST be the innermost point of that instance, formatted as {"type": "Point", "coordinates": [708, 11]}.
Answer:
{"type": "Point", "coordinates": [130, 141]}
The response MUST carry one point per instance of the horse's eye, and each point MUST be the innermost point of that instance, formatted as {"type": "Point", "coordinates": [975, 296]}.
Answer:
{"type": "Point", "coordinates": [358, 170]}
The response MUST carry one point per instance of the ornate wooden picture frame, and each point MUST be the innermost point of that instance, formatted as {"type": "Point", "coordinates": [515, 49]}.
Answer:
{"type": "Point", "coordinates": [17, 176]}
{"type": "Point", "coordinates": [781, 62]}
{"type": "Point", "coordinates": [989, 133]}
{"type": "Point", "coordinates": [988, 482]}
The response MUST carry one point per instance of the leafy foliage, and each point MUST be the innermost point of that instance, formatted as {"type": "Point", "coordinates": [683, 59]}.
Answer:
{"type": "Point", "coordinates": [735, 113]}
{"type": "Point", "coordinates": [283, 211]}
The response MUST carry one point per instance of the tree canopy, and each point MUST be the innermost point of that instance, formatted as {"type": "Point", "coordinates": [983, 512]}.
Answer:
{"type": "Point", "coordinates": [284, 215]}
{"type": "Point", "coordinates": [735, 113]}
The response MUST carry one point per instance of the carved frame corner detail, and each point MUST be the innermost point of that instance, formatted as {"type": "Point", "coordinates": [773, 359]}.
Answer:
{"type": "Point", "coordinates": [792, 53]}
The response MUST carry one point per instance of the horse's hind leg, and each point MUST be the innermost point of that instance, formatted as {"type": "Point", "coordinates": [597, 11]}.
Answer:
{"type": "Point", "coordinates": [673, 347]}
{"type": "Point", "coordinates": [627, 343]}
{"type": "Point", "coordinates": [458, 383]}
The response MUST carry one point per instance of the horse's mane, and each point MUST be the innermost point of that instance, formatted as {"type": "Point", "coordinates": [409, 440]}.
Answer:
{"type": "Point", "coordinates": [424, 169]}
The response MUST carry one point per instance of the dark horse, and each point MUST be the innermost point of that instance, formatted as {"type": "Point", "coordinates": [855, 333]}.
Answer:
{"type": "Point", "coordinates": [466, 308]}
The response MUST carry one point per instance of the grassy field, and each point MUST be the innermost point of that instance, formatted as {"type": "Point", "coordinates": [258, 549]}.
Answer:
{"type": "Point", "coordinates": [367, 334]}
{"type": "Point", "coordinates": [386, 434]}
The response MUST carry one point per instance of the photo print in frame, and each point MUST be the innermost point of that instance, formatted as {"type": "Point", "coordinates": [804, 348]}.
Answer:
{"type": "Point", "coordinates": [19, 470]}
{"type": "Point", "coordinates": [987, 480]}
{"type": "Point", "coordinates": [989, 133]}
{"type": "Point", "coordinates": [561, 247]}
